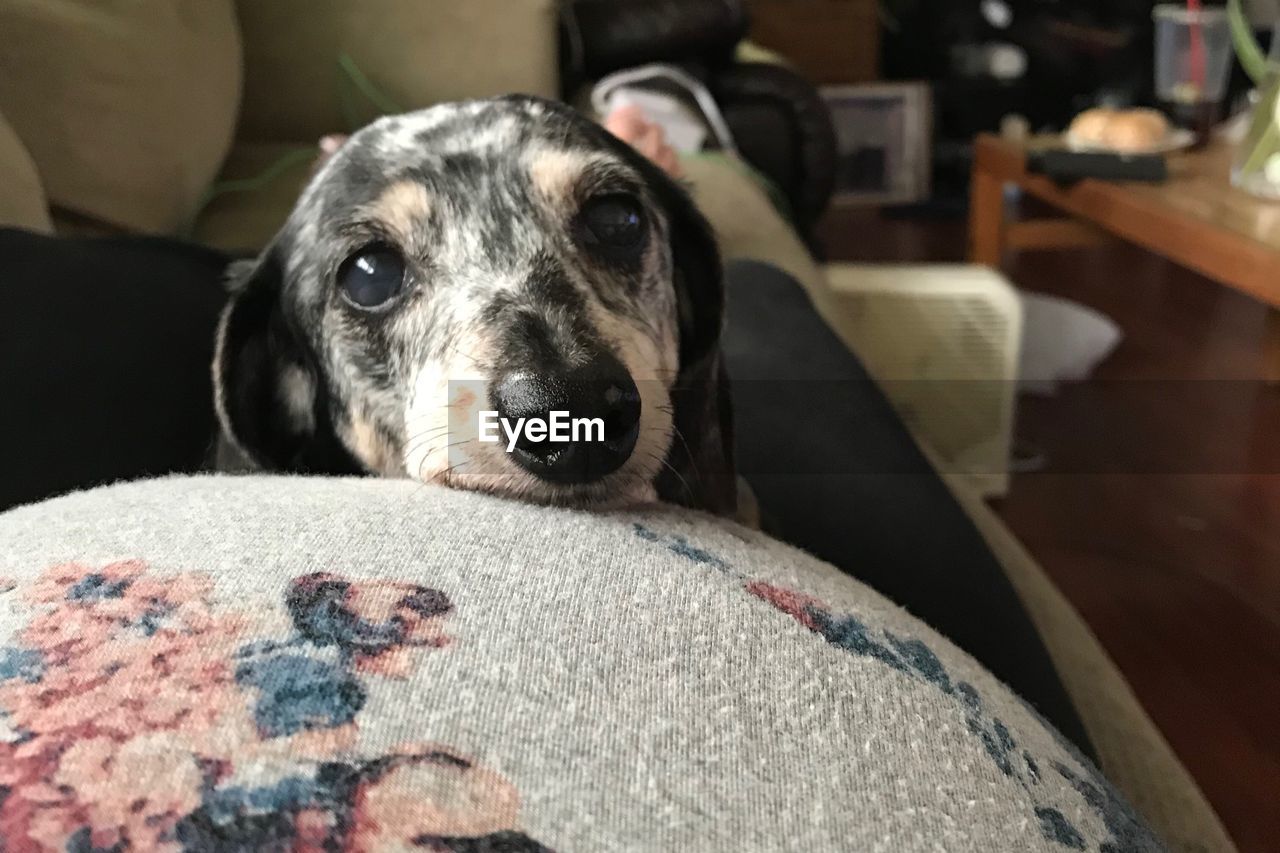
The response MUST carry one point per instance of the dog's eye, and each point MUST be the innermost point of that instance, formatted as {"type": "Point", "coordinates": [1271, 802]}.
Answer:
{"type": "Point", "coordinates": [372, 276]}
{"type": "Point", "coordinates": [614, 221]}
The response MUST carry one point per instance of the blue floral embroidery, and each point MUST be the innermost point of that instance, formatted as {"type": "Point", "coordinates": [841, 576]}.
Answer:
{"type": "Point", "coordinates": [1032, 767]}
{"type": "Point", "coordinates": [1127, 831]}
{"type": "Point", "coordinates": [679, 545]}
{"type": "Point", "coordinates": [301, 693]}
{"type": "Point", "coordinates": [912, 656]}
{"type": "Point", "coordinates": [82, 842]}
{"type": "Point", "coordinates": [244, 818]}
{"type": "Point", "coordinates": [96, 587]}
{"type": "Point", "coordinates": [848, 633]}
{"type": "Point", "coordinates": [1056, 827]}
{"type": "Point", "coordinates": [27, 664]}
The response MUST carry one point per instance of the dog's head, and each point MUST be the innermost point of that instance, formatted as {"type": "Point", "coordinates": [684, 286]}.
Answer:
{"type": "Point", "coordinates": [502, 256]}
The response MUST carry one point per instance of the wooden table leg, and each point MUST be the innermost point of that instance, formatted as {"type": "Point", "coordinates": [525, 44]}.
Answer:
{"type": "Point", "coordinates": [986, 218]}
{"type": "Point", "coordinates": [1271, 348]}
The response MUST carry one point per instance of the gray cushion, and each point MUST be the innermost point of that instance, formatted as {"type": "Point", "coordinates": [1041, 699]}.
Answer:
{"type": "Point", "coordinates": [378, 663]}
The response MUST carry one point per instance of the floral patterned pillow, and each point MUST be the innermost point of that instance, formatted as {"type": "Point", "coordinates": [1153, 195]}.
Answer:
{"type": "Point", "coordinates": [256, 663]}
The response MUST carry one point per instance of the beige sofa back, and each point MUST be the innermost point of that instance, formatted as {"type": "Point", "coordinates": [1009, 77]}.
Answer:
{"type": "Point", "coordinates": [127, 107]}
{"type": "Point", "coordinates": [22, 201]}
{"type": "Point", "coordinates": [415, 52]}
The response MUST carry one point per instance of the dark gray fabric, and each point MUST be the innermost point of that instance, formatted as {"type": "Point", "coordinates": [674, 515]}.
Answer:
{"type": "Point", "coordinates": [261, 663]}
{"type": "Point", "coordinates": [838, 475]}
{"type": "Point", "coordinates": [105, 347]}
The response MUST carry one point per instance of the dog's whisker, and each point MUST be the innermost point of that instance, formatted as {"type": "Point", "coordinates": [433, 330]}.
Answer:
{"type": "Point", "coordinates": [433, 431]}
{"type": "Point", "coordinates": [447, 474]}
{"type": "Point", "coordinates": [475, 362]}
{"type": "Point", "coordinates": [422, 438]}
{"type": "Point", "coordinates": [693, 462]}
{"type": "Point", "coordinates": [415, 446]}
{"type": "Point", "coordinates": [430, 432]}
{"type": "Point", "coordinates": [665, 464]}
{"type": "Point", "coordinates": [430, 450]}
{"type": "Point", "coordinates": [415, 442]}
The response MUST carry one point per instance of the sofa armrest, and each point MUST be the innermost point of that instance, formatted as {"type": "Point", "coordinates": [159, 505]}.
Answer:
{"type": "Point", "coordinates": [1131, 748]}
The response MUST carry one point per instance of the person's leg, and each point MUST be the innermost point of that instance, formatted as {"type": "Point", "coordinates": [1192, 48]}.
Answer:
{"type": "Point", "coordinates": [105, 347]}
{"type": "Point", "coordinates": [838, 475]}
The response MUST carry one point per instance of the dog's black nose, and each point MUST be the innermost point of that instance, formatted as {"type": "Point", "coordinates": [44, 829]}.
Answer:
{"type": "Point", "coordinates": [578, 425]}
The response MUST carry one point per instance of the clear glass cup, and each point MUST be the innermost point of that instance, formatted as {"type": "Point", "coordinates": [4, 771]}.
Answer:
{"type": "Point", "coordinates": [1193, 61]}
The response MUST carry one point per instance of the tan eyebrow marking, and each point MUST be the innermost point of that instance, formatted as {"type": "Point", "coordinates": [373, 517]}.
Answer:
{"type": "Point", "coordinates": [563, 175]}
{"type": "Point", "coordinates": [555, 172]}
{"type": "Point", "coordinates": [403, 208]}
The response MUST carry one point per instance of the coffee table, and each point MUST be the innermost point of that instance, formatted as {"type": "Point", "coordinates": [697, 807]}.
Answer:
{"type": "Point", "coordinates": [1196, 219]}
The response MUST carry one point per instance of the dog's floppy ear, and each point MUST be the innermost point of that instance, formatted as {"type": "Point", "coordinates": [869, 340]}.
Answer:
{"type": "Point", "coordinates": [271, 403]}
{"type": "Point", "coordinates": [697, 271]}
{"type": "Point", "coordinates": [700, 471]}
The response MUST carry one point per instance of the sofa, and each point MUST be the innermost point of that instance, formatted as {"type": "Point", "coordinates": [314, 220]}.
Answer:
{"type": "Point", "coordinates": [198, 118]}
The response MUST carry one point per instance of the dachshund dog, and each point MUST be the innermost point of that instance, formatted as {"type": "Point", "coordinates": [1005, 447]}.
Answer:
{"type": "Point", "coordinates": [503, 259]}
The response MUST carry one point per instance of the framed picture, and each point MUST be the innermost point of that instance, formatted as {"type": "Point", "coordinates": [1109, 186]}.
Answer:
{"type": "Point", "coordinates": [883, 140]}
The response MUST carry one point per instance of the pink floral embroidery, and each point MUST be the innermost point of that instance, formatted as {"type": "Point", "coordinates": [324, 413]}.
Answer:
{"type": "Point", "coordinates": [136, 714]}
{"type": "Point", "coordinates": [797, 605]}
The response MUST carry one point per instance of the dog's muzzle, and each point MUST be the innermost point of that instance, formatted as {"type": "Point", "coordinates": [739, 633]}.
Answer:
{"type": "Point", "coordinates": [600, 393]}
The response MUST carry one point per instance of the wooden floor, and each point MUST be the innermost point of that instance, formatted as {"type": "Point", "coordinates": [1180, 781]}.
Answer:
{"type": "Point", "coordinates": [1176, 568]}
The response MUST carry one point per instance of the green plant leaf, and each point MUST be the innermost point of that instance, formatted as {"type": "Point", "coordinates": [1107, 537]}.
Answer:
{"type": "Point", "coordinates": [1248, 51]}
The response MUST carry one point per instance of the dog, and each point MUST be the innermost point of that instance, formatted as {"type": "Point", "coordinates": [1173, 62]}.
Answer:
{"type": "Point", "coordinates": [503, 256]}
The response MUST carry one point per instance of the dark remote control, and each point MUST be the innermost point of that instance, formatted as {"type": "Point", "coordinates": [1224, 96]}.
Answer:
{"type": "Point", "coordinates": [1069, 166]}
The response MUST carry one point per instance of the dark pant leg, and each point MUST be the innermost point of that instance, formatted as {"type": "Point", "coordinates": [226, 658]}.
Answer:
{"type": "Point", "coordinates": [838, 475]}
{"type": "Point", "coordinates": [105, 347]}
